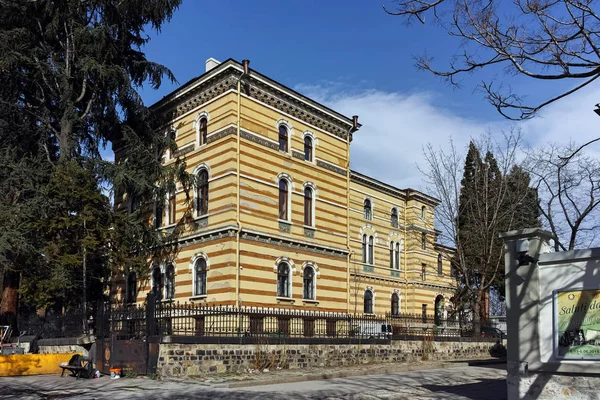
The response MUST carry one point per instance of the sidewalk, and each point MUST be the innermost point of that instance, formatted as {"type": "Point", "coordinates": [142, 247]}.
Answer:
{"type": "Point", "coordinates": [55, 387]}
{"type": "Point", "coordinates": [312, 374]}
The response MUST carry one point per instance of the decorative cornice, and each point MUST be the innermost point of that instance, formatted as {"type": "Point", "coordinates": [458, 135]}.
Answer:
{"type": "Point", "coordinates": [331, 167]}
{"type": "Point", "coordinates": [294, 244]}
{"type": "Point", "coordinates": [402, 194]}
{"type": "Point", "coordinates": [183, 150]}
{"type": "Point", "coordinates": [377, 185]}
{"type": "Point", "coordinates": [274, 95]}
{"type": "Point", "coordinates": [258, 140]}
{"type": "Point", "coordinates": [190, 240]}
{"type": "Point", "coordinates": [225, 132]}
{"type": "Point", "coordinates": [297, 154]}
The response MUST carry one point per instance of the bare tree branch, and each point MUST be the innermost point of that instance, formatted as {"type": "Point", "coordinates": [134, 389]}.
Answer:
{"type": "Point", "coordinates": [543, 40]}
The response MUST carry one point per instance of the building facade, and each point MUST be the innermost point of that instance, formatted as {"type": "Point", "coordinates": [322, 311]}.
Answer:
{"type": "Point", "coordinates": [279, 218]}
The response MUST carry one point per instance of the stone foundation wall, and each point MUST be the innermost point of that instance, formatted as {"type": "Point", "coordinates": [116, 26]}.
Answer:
{"type": "Point", "coordinates": [200, 359]}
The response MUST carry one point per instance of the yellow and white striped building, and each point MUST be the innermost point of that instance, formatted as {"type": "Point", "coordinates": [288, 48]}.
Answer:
{"type": "Point", "coordinates": [280, 219]}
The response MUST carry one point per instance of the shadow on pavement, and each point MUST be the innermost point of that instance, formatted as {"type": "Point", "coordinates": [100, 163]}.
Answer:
{"type": "Point", "coordinates": [483, 390]}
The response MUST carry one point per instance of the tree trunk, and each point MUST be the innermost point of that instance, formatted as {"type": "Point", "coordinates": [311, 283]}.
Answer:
{"type": "Point", "coordinates": [10, 298]}
{"type": "Point", "coordinates": [476, 308]}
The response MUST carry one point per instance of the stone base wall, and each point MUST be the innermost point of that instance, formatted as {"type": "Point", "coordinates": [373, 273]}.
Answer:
{"type": "Point", "coordinates": [180, 360]}
{"type": "Point", "coordinates": [74, 348]}
{"type": "Point", "coordinates": [539, 385]}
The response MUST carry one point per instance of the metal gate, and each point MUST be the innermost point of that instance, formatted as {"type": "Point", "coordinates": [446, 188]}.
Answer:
{"type": "Point", "coordinates": [123, 338]}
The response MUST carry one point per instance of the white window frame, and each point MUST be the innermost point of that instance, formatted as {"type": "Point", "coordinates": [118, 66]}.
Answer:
{"type": "Point", "coordinates": [314, 146]}
{"type": "Point", "coordinates": [200, 167]}
{"type": "Point", "coordinates": [168, 155]}
{"type": "Point", "coordinates": [371, 206]}
{"type": "Point", "coordinates": [290, 190]}
{"type": "Point", "coordinates": [369, 289]}
{"type": "Point", "coordinates": [312, 187]}
{"type": "Point", "coordinates": [291, 271]}
{"type": "Point", "coordinates": [201, 114]}
{"type": "Point", "coordinates": [192, 267]}
{"type": "Point", "coordinates": [290, 132]}
{"type": "Point", "coordinates": [315, 269]}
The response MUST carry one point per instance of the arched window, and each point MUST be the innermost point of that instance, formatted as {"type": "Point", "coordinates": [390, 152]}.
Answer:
{"type": "Point", "coordinates": [202, 192]}
{"type": "Point", "coordinates": [200, 277]}
{"type": "Point", "coordinates": [368, 302]}
{"type": "Point", "coordinates": [157, 283]}
{"type": "Point", "coordinates": [308, 148]}
{"type": "Point", "coordinates": [440, 271]}
{"type": "Point", "coordinates": [283, 199]}
{"type": "Point", "coordinates": [172, 135]}
{"type": "Point", "coordinates": [309, 283]}
{"type": "Point", "coordinates": [392, 258]}
{"type": "Point", "coordinates": [172, 208]}
{"type": "Point", "coordinates": [368, 210]}
{"type": "Point", "coordinates": [394, 217]}
{"type": "Point", "coordinates": [158, 214]}
{"type": "Point", "coordinates": [397, 255]}
{"type": "Point", "coordinates": [308, 206]}
{"type": "Point", "coordinates": [170, 282]}
{"type": "Point", "coordinates": [370, 249]}
{"type": "Point", "coordinates": [203, 130]}
{"type": "Point", "coordinates": [395, 304]}
{"type": "Point", "coordinates": [283, 280]}
{"type": "Point", "coordinates": [283, 138]}
{"type": "Point", "coordinates": [131, 288]}
{"type": "Point", "coordinates": [423, 212]}
{"type": "Point", "coordinates": [364, 248]}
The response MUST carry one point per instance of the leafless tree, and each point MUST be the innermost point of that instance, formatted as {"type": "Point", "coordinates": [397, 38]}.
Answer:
{"type": "Point", "coordinates": [568, 184]}
{"type": "Point", "coordinates": [443, 171]}
{"type": "Point", "coordinates": [546, 40]}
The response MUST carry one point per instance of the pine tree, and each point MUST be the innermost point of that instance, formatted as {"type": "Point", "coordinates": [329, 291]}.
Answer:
{"type": "Point", "coordinates": [70, 73]}
{"type": "Point", "coordinates": [490, 202]}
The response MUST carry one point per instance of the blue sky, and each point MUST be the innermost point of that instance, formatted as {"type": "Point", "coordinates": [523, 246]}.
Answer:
{"type": "Point", "coordinates": [351, 42]}
{"type": "Point", "coordinates": [355, 58]}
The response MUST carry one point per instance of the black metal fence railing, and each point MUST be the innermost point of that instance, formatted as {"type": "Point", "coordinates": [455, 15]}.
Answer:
{"type": "Point", "coordinates": [70, 324]}
{"type": "Point", "coordinates": [175, 319]}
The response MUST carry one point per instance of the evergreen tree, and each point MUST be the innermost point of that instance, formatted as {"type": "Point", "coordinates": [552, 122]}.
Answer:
{"type": "Point", "coordinates": [490, 202]}
{"type": "Point", "coordinates": [70, 73]}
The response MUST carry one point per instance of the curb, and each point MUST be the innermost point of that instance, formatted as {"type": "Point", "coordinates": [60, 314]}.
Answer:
{"type": "Point", "coordinates": [347, 374]}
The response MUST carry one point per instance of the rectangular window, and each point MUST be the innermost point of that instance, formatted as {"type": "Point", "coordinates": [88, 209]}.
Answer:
{"type": "Point", "coordinates": [370, 249]}
{"type": "Point", "coordinates": [423, 241]}
{"type": "Point", "coordinates": [423, 271]}
{"type": "Point", "coordinates": [424, 313]}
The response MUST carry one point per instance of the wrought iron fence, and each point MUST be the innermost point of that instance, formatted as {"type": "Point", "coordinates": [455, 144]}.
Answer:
{"type": "Point", "coordinates": [69, 324]}
{"type": "Point", "coordinates": [177, 319]}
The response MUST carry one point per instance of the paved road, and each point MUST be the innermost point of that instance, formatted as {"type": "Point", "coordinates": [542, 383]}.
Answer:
{"type": "Point", "coordinates": [486, 383]}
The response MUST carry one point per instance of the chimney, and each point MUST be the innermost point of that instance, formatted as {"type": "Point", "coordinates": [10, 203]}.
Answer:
{"type": "Point", "coordinates": [211, 63]}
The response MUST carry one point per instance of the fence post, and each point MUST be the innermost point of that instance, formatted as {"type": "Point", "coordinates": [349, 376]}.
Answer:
{"type": "Point", "coordinates": [150, 315]}
{"type": "Point", "coordinates": [100, 318]}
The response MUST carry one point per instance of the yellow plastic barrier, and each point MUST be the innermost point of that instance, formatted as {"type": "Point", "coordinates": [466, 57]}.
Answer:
{"type": "Point", "coordinates": [32, 364]}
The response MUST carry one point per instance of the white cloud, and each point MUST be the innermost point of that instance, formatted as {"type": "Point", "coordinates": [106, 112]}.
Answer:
{"type": "Point", "coordinates": [396, 127]}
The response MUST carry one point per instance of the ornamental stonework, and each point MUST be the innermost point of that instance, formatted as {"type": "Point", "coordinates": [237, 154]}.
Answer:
{"type": "Point", "coordinates": [227, 80]}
